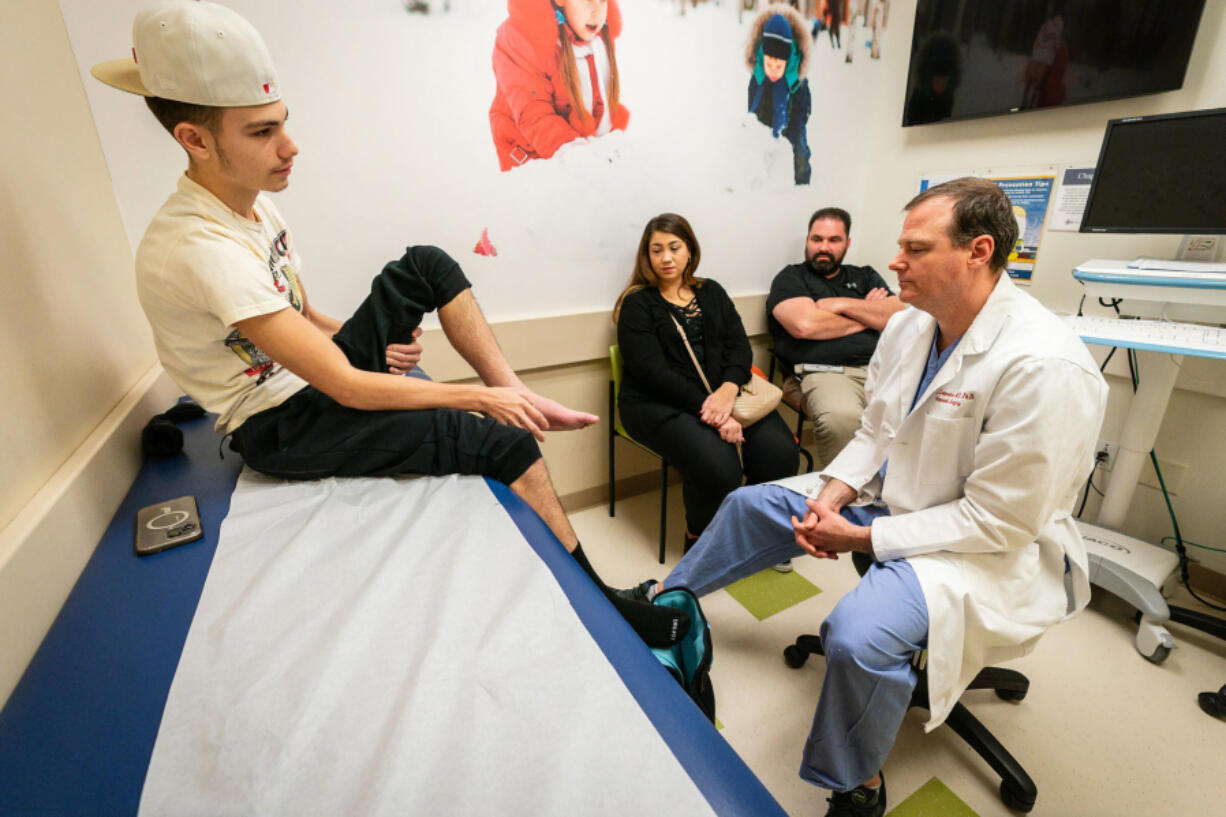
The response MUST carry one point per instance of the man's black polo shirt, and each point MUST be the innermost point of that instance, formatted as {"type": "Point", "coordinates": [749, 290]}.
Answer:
{"type": "Point", "coordinates": [801, 281]}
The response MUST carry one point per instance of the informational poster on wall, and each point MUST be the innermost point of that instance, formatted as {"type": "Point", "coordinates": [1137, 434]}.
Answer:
{"type": "Point", "coordinates": [1071, 198]}
{"type": "Point", "coordinates": [533, 140]}
{"type": "Point", "coordinates": [1030, 193]}
{"type": "Point", "coordinates": [1030, 196]}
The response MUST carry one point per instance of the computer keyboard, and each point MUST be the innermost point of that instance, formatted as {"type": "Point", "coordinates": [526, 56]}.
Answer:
{"type": "Point", "coordinates": [1163, 336]}
{"type": "Point", "coordinates": [1193, 269]}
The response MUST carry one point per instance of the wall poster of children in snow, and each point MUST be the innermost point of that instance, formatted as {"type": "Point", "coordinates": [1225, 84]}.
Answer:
{"type": "Point", "coordinates": [531, 139]}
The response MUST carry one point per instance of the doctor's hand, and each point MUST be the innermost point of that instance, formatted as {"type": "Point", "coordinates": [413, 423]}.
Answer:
{"type": "Point", "coordinates": [824, 533]}
{"type": "Point", "coordinates": [877, 294]}
{"type": "Point", "coordinates": [402, 357]}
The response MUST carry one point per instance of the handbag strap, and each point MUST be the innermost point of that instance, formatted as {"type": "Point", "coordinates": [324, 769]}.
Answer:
{"type": "Point", "coordinates": [740, 456]}
{"type": "Point", "coordinates": [690, 349]}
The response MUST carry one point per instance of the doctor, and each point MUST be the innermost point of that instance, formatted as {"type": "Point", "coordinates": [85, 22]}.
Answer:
{"type": "Point", "coordinates": [981, 418]}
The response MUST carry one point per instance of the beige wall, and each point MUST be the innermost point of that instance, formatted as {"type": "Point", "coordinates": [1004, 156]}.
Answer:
{"type": "Point", "coordinates": [73, 341]}
{"type": "Point", "coordinates": [567, 359]}
{"type": "Point", "coordinates": [72, 338]}
{"type": "Point", "coordinates": [1193, 431]}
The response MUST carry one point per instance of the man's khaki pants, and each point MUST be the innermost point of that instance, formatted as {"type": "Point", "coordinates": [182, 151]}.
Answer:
{"type": "Point", "coordinates": [833, 401]}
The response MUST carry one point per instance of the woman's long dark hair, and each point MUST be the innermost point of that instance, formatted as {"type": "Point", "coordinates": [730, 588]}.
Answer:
{"type": "Point", "coordinates": [643, 275]}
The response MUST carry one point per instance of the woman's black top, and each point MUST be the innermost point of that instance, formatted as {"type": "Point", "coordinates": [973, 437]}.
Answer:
{"type": "Point", "coordinates": [658, 369]}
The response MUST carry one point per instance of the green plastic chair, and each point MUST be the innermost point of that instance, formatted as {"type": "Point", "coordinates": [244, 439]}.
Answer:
{"type": "Point", "coordinates": [616, 429]}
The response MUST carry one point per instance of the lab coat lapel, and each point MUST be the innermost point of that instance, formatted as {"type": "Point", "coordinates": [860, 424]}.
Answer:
{"type": "Point", "coordinates": [979, 337]}
{"type": "Point", "coordinates": [912, 364]}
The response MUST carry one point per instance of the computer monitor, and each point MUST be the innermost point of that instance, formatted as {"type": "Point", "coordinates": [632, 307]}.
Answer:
{"type": "Point", "coordinates": [1160, 174]}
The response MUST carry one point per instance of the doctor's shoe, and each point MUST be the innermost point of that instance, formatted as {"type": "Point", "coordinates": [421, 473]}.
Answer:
{"type": "Point", "coordinates": [859, 802]}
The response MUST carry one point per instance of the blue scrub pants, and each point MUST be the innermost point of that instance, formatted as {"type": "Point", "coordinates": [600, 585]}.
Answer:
{"type": "Point", "coordinates": [869, 637]}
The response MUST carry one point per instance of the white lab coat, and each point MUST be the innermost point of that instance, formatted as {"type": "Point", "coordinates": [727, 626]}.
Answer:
{"type": "Point", "coordinates": [982, 479]}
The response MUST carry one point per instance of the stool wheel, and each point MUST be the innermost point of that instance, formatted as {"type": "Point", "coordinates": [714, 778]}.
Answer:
{"type": "Point", "coordinates": [1013, 695]}
{"type": "Point", "coordinates": [1158, 655]}
{"type": "Point", "coordinates": [794, 656]}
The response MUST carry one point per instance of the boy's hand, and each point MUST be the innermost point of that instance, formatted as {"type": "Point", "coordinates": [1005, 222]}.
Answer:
{"type": "Point", "coordinates": [402, 357]}
{"type": "Point", "coordinates": [510, 407]}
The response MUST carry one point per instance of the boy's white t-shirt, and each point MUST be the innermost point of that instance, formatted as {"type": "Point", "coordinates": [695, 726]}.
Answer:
{"type": "Point", "coordinates": [200, 269]}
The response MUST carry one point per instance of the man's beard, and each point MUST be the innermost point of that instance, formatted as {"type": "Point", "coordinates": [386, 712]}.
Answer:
{"type": "Point", "coordinates": [824, 264]}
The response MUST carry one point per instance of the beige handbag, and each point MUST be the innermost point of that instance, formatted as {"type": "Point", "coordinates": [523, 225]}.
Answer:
{"type": "Point", "coordinates": [758, 398]}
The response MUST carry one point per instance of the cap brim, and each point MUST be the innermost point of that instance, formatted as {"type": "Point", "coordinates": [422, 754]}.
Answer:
{"type": "Point", "coordinates": [122, 74]}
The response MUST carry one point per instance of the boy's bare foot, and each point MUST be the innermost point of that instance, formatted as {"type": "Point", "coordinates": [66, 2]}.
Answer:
{"type": "Point", "coordinates": [559, 416]}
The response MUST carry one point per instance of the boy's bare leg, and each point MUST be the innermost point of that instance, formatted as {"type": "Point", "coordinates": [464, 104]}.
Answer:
{"type": "Point", "coordinates": [470, 335]}
{"type": "Point", "coordinates": [658, 626]}
{"type": "Point", "coordinates": [535, 488]}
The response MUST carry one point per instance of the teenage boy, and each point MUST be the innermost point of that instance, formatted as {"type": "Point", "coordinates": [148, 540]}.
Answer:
{"type": "Point", "coordinates": [304, 395]}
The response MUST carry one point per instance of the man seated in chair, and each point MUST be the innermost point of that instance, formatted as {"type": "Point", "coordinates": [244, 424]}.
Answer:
{"type": "Point", "coordinates": [825, 317]}
{"type": "Point", "coordinates": [983, 412]}
{"type": "Point", "coordinates": [304, 395]}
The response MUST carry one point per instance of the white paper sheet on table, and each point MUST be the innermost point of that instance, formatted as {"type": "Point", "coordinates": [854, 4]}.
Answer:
{"type": "Point", "coordinates": [394, 646]}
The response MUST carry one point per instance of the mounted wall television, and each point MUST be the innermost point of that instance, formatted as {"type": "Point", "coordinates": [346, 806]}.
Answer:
{"type": "Point", "coordinates": [1160, 174]}
{"type": "Point", "coordinates": [973, 58]}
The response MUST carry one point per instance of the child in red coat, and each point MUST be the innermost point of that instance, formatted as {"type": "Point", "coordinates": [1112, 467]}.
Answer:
{"type": "Point", "coordinates": [556, 70]}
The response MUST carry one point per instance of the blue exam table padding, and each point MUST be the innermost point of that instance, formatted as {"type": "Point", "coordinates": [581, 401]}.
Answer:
{"type": "Point", "coordinates": [77, 734]}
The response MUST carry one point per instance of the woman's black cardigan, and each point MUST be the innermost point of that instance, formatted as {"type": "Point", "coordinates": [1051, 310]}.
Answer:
{"type": "Point", "coordinates": [659, 378]}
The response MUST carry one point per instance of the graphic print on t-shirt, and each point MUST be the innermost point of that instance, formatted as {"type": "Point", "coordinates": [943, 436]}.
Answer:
{"type": "Point", "coordinates": [284, 277]}
{"type": "Point", "coordinates": [259, 365]}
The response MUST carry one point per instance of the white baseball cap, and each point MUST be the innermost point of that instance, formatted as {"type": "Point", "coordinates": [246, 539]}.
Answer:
{"type": "Point", "coordinates": [197, 52]}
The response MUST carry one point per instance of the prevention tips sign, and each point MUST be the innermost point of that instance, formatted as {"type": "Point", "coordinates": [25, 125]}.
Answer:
{"type": "Point", "coordinates": [1030, 194]}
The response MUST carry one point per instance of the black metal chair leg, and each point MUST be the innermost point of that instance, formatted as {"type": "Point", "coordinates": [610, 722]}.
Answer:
{"type": "Point", "coordinates": [612, 439]}
{"type": "Point", "coordinates": [804, 452]}
{"type": "Point", "coordinates": [663, 506]}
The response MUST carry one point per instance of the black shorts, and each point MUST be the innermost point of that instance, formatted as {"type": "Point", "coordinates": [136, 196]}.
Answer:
{"type": "Point", "coordinates": [311, 436]}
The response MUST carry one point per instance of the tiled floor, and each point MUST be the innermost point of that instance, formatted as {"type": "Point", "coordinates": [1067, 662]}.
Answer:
{"type": "Point", "coordinates": [1102, 731]}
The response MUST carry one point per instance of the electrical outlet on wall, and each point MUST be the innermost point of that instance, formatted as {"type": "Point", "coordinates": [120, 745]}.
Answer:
{"type": "Point", "coordinates": [1104, 457]}
{"type": "Point", "coordinates": [1199, 248]}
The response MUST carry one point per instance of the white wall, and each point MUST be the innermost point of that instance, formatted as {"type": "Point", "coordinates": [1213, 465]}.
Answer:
{"type": "Point", "coordinates": [391, 113]}
{"type": "Point", "coordinates": [1193, 431]}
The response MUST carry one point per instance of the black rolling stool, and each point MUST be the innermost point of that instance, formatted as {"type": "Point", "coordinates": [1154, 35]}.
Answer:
{"type": "Point", "coordinates": [1017, 790]}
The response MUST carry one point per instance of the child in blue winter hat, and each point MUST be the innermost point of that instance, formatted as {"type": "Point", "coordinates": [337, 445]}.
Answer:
{"type": "Point", "coordinates": [778, 57]}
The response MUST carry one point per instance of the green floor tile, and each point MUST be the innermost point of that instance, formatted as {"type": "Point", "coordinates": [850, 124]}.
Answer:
{"type": "Point", "coordinates": [768, 591]}
{"type": "Point", "coordinates": [933, 799]}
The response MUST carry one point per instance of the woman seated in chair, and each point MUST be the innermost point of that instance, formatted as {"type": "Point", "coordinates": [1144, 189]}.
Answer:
{"type": "Point", "coordinates": [663, 402]}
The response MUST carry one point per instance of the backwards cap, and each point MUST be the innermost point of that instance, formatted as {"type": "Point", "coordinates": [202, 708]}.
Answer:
{"type": "Point", "coordinates": [195, 52]}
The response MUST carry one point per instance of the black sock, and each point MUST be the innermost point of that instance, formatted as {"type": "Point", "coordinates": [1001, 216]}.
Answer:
{"type": "Point", "coordinates": [658, 626]}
